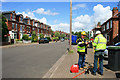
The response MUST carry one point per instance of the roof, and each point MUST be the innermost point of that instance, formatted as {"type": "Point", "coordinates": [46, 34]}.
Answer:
{"type": "Point", "coordinates": [8, 12]}
{"type": "Point", "coordinates": [19, 15]}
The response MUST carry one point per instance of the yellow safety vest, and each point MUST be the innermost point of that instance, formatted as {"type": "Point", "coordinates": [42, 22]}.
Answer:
{"type": "Point", "coordinates": [81, 49]}
{"type": "Point", "coordinates": [100, 42]}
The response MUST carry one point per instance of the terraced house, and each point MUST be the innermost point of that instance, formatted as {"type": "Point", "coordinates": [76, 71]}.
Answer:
{"type": "Point", "coordinates": [18, 25]}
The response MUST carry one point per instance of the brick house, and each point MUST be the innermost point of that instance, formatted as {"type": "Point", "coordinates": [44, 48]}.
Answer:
{"type": "Point", "coordinates": [11, 23]}
{"type": "Point", "coordinates": [110, 28]}
{"type": "Point", "coordinates": [17, 25]}
{"type": "Point", "coordinates": [28, 28]}
{"type": "Point", "coordinates": [20, 26]}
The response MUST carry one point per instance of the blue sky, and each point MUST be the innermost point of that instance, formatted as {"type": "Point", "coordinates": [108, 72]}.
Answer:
{"type": "Point", "coordinates": [56, 14]}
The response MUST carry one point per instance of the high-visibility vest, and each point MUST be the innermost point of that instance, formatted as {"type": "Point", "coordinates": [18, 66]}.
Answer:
{"type": "Point", "coordinates": [100, 42]}
{"type": "Point", "coordinates": [81, 49]}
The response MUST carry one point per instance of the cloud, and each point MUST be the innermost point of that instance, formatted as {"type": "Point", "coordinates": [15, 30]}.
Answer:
{"type": "Point", "coordinates": [42, 11]}
{"type": "Point", "coordinates": [86, 22]}
{"type": "Point", "coordinates": [55, 21]}
{"type": "Point", "coordinates": [2, 0]}
{"type": "Point", "coordinates": [32, 16]}
{"type": "Point", "coordinates": [79, 6]}
{"type": "Point", "coordinates": [44, 20]}
{"type": "Point", "coordinates": [101, 13]}
{"type": "Point", "coordinates": [62, 27]}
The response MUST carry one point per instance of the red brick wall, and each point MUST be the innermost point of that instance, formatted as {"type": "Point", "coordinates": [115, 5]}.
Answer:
{"type": "Point", "coordinates": [115, 28]}
{"type": "Point", "coordinates": [114, 11]}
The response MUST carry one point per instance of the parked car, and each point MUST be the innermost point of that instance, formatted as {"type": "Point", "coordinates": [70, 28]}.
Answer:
{"type": "Point", "coordinates": [106, 51]}
{"type": "Point", "coordinates": [62, 40]}
{"type": "Point", "coordinates": [43, 40]}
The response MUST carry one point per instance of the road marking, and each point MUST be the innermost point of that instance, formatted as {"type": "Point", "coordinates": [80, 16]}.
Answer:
{"type": "Point", "coordinates": [52, 70]}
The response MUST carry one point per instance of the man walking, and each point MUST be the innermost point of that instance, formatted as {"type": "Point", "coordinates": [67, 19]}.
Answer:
{"type": "Point", "coordinates": [100, 45]}
{"type": "Point", "coordinates": [82, 50]}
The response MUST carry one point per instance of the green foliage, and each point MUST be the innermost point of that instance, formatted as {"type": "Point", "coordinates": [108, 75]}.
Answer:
{"type": "Point", "coordinates": [55, 38]}
{"type": "Point", "coordinates": [34, 37]}
{"type": "Point", "coordinates": [52, 33]}
{"type": "Point", "coordinates": [41, 35]}
{"type": "Point", "coordinates": [57, 34]}
{"type": "Point", "coordinates": [26, 37]}
{"type": "Point", "coordinates": [71, 51]}
{"type": "Point", "coordinates": [48, 38]}
{"type": "Point", "coordinates": [62, 35]}
{"type": "Point", "coordinates": [4, 27]}
{"type": "Point", "coordinates": [21, 39]}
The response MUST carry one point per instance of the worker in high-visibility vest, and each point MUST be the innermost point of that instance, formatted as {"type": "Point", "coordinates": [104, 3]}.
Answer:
{"type": "Point", "coordinates": [82, 50]}
{"type": "Point", "coordinates": [100, 45]}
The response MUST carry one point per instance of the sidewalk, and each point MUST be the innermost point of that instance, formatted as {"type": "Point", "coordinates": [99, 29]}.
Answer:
{"type": "Point", "coordinates": [20, 44]}
{"type": "Point", "coordinates": [63, 70]}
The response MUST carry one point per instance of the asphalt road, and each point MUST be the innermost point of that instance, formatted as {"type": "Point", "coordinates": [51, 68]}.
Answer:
{"type": "Point", "coordinates": [31, 61]}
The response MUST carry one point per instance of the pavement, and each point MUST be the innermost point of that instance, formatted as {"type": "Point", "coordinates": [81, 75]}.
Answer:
{"type": "Point", "coordinates": [62, 67]}
{"type": "Point", "coordinates": [20, 44]}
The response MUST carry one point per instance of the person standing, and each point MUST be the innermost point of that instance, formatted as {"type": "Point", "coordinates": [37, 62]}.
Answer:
{"type": "Point", "coordinates": [99, 45]}
{"type": "Point", "coordinates": [82, 50]}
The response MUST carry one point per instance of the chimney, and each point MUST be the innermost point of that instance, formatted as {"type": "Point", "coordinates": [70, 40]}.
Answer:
{"type": "Point", "coordinates": [114, 11]}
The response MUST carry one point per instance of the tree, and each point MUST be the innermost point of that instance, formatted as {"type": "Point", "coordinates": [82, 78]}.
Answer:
{"type": "Point", "coordinates": [57, 34]}
{"type": "Point", "coordinates": [62, 35]}
{"type": "Point", "coordinates": [4, 28]}
{"type": "Point", "coordinates": [52, 33]}
{"type": "Point", "coordinates": [34, 37]}
{"type": "Point", "coordinates": [41, 35]}
{"type": "Point", "coordinates": [72, 32]}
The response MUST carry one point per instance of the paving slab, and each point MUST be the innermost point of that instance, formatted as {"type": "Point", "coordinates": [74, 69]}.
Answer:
{"type": "Point", "coordinates": [63, 70]}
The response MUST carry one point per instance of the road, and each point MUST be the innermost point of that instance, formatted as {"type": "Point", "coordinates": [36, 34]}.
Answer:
{"type": "Point", "coordinates": [31, 61]}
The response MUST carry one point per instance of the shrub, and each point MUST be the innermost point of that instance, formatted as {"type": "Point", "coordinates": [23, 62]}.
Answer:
{"type": "Point", "coordinates": [17, 39]}
{"type": "Point", "coordinates": [41, 35]}
{"type": "Point", "coordinates": [35, 39]}
{"type": "Point", "coordinates": [21, 39]}
{"type": "Point", "coordinates": [48, 38]}
{"type": "Point", "coordinates": [25, 37]}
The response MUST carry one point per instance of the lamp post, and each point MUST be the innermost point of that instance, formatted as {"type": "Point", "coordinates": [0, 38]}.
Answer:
{"type": "Point", "coordinates": [70, 24]}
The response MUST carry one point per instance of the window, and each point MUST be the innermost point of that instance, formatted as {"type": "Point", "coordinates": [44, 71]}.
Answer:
{"type": "Point", "coordinates": [15, 36]}
{"type": "Point", "coordinates": [107, 25]}
{"type": "Point", "coordinates": [28, 21]}
{"type": "Point", "coordinates": [33, 29]}
{"type": "Point", "coordinates": [107, 38]}
{"type": "Point", "coordinates": [103, 27]}
{"type": "Point", "coordinates": [16, 26]}
{"type": "Point", "coordinates": [20, 28]}
{"type": "Point", "coordinates": [41, 26]}
{"type": "Point", "coordinates": [13, 26]}
{"type": "Point", "coordinates": [38, 30]}
{"type": "Point", "coordinates": [41, 31]}
{"type": "Point", "coordinates": [29, 29]}
{"type": "Point", "coordinates": [23, 27]}
{"type": "Point", "coordinates": [110, 23]}
{"type": "Point", "coordinates": [21, 18]}
{"type": "Point", "coordinates": [36, 24]}
{"type": "Point", "coordinates": [13, 16]}
{"type": "Point", "coordinates": [33, 22]}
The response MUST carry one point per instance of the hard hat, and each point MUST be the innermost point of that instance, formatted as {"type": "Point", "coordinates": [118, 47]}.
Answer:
{"type": "Point", "coordinates": [98, 32]}
{"type": "Point", "coordinates": [83, 33]}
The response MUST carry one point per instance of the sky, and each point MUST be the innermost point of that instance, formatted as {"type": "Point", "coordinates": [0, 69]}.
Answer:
{"type": "Point", "coordinates": [57, 14]}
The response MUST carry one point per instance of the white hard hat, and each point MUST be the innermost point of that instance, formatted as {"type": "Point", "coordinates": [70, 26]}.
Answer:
{"type": "Point", "coordinates": [98, 32]}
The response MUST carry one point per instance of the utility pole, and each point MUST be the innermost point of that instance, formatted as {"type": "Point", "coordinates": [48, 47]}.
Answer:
{"type": "Point", "coordinates": [70, 24]}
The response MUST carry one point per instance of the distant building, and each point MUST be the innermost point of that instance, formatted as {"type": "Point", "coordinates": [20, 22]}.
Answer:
{"type": "Point", "coordinates": [17, 25]}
